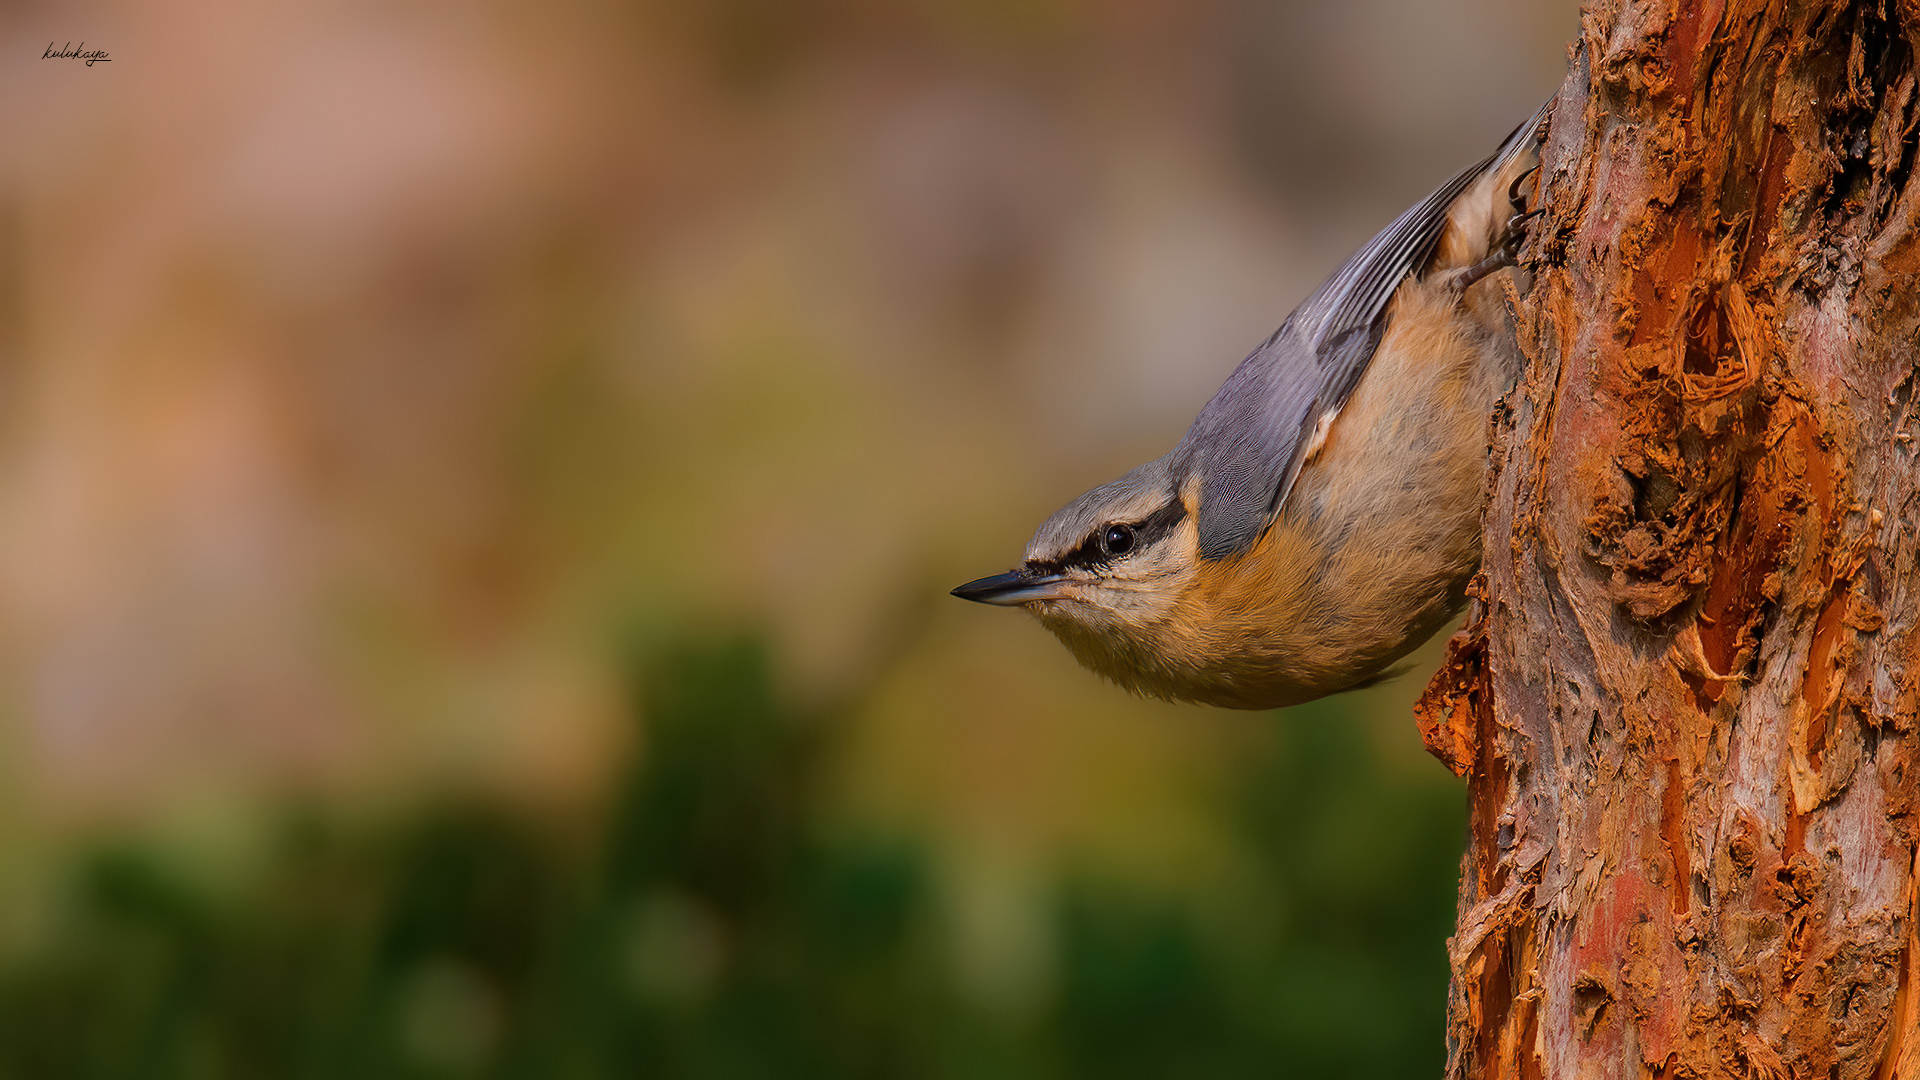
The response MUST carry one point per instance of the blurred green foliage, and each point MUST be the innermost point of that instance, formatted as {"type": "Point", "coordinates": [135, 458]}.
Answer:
{"type": "Point", "coordinates": [720, 924]}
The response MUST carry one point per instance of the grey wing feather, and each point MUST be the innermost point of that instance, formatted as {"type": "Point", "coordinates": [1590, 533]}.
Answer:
{"type": "Point", "coordinates": [1246, 444]}
{"type": "Point", "coordinates": [1347, 310]}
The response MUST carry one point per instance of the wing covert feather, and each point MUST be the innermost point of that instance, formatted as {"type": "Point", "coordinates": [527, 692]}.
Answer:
{"type": "Point", "coordinates": [1246, 443]}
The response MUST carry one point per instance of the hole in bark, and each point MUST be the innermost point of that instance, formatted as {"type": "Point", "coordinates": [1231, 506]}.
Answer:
{"type": "Point", "coordinates": [1851, 183]}
{"type": "Point", "coordinates": [1707, 339]}
{"type": "Point", "coordinates": [1655, 499]}
{"type": "Point", "coordinates": [1637, 484]}
{"type": "Point", "coordinates": [1901, 165]}
{"type": "Point", "coordinates": [1886, 64]}
{"type": "Point", "coordinates": [1733, 618]}
{"type": "Point", "coordinates": [1885, 50]}
{"type": "Point", "coordinates": [1590, 1000]}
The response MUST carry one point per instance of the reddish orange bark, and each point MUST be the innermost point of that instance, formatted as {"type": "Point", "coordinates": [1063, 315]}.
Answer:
{"type": "Point", "coordinates": [1689, 706]}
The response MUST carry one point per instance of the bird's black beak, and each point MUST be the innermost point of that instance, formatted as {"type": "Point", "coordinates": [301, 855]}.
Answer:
{"type": "Point", "coordinates": [1013, 588]}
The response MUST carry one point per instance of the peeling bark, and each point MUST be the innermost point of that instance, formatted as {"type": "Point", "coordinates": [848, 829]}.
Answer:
{"type": "Point", "coordinates": [1689, 706]}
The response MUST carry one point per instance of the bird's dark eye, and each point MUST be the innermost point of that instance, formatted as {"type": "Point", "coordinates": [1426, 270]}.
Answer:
{"type": "Point", "coordinates": [1118, 539]}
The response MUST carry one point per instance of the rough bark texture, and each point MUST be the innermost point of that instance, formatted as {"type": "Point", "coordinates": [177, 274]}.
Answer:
{"type": "Point", "coordinates": [1688, 707]}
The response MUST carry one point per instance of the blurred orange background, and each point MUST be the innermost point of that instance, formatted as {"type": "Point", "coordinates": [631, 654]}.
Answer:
{"type": "Point", "coordinates": [368, 371]}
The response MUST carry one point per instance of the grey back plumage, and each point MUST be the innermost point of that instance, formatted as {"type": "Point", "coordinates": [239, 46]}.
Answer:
{"type": "Point", "coordinates": [1247, 443]}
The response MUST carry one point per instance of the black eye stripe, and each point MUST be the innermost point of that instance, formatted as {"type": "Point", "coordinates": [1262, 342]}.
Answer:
{"type": "Point", "coordinates": [1087, 554]}
{"type": "Point", "coordinates": [1159, 523]}
{"type": "Point", "coordinates": [1147, 531]}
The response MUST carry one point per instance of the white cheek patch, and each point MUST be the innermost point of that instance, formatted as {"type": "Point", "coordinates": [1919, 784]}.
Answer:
{"type": "Point", "coordinates": [1132, 593]}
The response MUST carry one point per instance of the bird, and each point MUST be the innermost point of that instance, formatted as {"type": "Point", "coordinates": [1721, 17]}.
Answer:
{"type": "Point", "coordinates": [1320, 519]}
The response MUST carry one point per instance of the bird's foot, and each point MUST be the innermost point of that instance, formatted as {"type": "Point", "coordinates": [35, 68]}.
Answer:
{"type": "Point", "coordinates": [1506, 250]}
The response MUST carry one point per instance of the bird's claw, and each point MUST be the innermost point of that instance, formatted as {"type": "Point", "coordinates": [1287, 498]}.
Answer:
{"type": "Point", "coordinates": [1506, 251]}
{"type": "Point", "coordinates": [1519, 201]}
{"type": "Point", "coordinates": [1514, 236]}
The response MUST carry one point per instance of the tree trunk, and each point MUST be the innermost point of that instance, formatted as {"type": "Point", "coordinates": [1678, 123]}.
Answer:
{"type": "Point", "coordinates": [1689, 705]}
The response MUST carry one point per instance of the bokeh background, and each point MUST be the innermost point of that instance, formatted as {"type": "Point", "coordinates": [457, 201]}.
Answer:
{"type": "Point", "coordinates": [479, 484]}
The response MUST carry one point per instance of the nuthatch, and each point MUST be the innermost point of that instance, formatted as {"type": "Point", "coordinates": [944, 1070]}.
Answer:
{"type": "Point", "coordinates": [1321, 517]}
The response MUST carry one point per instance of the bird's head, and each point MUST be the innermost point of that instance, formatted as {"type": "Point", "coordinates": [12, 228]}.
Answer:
{"type": "Point", "coordinates": [1108, 570]}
